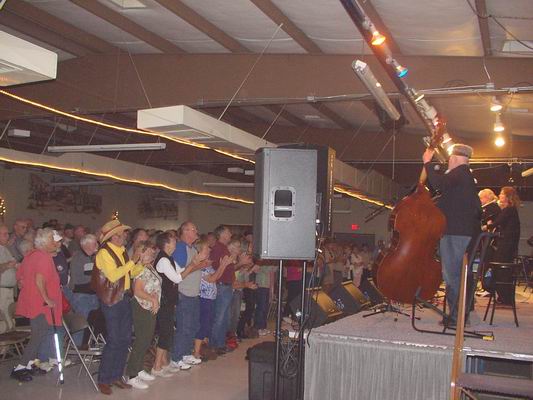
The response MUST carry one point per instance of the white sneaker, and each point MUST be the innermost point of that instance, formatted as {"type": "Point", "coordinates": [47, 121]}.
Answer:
{"type": "Point", "coordinates": [162, 373]}
{"type": "Point", "coordinates": [180, 365]}
{"type": "Point", "coordinates": [170, 368]}
{"type": "Point", "coordinates": [263, 332]}
{"type": "Point", "coordinates": [46, 366]}
{"type": "Point", "coordinates": [137, 383]}
{"type": "Point", "coordinates": [145, 376]}
{"type": "Point", "coordinates": [191, 360]}
{"type": "Point", "coordinates": [53, 362]}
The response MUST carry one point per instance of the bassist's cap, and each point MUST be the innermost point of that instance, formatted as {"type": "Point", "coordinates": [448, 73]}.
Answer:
{"type": "Point", "coordinates": [463, 150]}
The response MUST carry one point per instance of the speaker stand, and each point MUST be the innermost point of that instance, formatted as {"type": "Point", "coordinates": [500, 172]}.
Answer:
{"type": "Point", "coordinates": [278, 333]}
{"type": "Point", "coordinates": [387, 307]}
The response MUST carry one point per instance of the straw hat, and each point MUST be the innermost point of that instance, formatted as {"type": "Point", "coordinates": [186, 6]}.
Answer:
{"type": "Point", "coordinates": [112, 228]}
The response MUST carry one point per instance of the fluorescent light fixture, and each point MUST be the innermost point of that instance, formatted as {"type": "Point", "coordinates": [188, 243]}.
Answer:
{"type": "Point", "coordinates": [18, 133]}
{"type": "Point", "coordinates": [129, 4]}
{"type": "Point", "coordinates": [81, 183]}
{"type": "Point", "coordinates": [107, 147]}
{"type": "Point", "coordinates": [249, 172]}
{"type": "Point", "coordinates": [527, 172]}
{"type": "Point", "coordinates": [229, 184]}
{"type": "Point", "coordinates": [2, 2]}
{"type": "Point", "coordinates": [498, 125]}
{"type": "Point", "coordinates": [369, 80]}
{"type": "Point", "coordinates": [235, 170]}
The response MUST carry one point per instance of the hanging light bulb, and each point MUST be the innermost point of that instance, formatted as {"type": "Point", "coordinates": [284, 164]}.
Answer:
{"type": "Point", "coordinates": [500, 141]}
{"type": "Point", "coordinates": [496, 105]}
{"type": "Point", "coordinates": [498, 125]}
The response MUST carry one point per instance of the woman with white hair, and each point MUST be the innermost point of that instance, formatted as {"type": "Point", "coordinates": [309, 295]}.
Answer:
{"type": "Point", "coordinates": [40, 296]}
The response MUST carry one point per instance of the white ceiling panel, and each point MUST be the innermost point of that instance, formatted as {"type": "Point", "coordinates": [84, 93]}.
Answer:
{"type": "Point", "coordinates": [242, 20]}
{"type": "Point", "coordinates": [166, 24]}
{"type": "Point", "coordinates": [437, 27]}
{"type": "Point", "coordinates": [326, 23]}
{"type": "Point", "coordinates": [84, 20]}
{"type": "Point", "coordinates": [61, 55]}
{"type": "Point", "coordinates": [516, 16]}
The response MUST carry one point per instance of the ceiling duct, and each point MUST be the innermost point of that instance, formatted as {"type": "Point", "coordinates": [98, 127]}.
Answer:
{"type": "Point", "coordinates": [23, 62]}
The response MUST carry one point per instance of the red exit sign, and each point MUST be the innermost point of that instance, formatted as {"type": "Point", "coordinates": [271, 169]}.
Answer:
{"type": "Point", "coordinates": [355, 227]}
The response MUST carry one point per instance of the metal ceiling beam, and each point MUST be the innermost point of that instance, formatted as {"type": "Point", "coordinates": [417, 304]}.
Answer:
{"type": "Point", "coordinates": [29, 28]}
{"type": "Point", "coordinates": [481, 7]}
{"type": "Point", "coordinates": [127, 25]}
{"type": "Point", "coordinates": [370, 10]}
{"type": "Point", "coordinates": [92, 81]}
{"type": "Point", "coordinates": [332, 115]}
{"type": "Point", "coordinates": [275, 14]}
{"type": "Point", "coordinates": [60, 27]}
{"type": "Point", "coordinates": [203, 25]}
{"type": "Point", "coordinates": [293, 119]}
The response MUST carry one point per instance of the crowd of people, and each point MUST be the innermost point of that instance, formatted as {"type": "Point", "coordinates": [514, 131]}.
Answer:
{"type": "Point", "coordinates": [183, 292]}
{"type": "Point", "coordinates": [183, 289]}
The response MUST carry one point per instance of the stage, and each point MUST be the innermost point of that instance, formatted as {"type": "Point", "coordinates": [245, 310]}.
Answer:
{"type": "Point", "coordinates": [379, 357]}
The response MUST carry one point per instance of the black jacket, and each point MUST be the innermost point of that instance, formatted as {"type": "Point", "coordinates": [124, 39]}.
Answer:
{"type": "Point", "coordinates": [490, 212]}
{"type": "Point", "coordinates": [507, 224]}
{"type": "Point", "coordinates": [458, 201]}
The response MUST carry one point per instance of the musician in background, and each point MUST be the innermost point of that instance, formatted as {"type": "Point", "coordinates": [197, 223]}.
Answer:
{"type": "Point", "coordinates": [489, 206]}
{"type": "Point", "coordinates": [461, 206]}
{"type": "Point", "coordinates": [507, 224]}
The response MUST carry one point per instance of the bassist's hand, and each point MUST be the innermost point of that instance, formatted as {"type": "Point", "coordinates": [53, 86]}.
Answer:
{"type": "Point", "coordinates": [428, 155]}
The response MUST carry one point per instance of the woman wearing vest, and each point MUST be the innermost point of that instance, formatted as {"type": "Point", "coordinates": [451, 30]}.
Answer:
{"type": "Point", "coordinates": [111, 280]}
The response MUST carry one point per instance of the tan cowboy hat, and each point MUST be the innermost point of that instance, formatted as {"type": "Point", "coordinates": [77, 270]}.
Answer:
{"type": "Point", "coordinates": [112, 228]}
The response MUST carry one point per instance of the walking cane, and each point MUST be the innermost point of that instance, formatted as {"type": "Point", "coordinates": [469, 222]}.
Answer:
{"type": "Point", "coordinates": [58, 353]}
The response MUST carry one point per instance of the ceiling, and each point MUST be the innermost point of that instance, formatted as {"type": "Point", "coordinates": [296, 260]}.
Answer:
{"type": "Point", "coordinates": [287, 67]}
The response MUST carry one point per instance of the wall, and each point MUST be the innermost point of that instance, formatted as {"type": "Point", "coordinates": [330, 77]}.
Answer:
{"type": "Point", "coordinates": [206, 213]}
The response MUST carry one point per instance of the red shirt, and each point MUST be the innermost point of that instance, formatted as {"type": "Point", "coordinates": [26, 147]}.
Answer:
{"type": "Point", "coordinates": [30, 303]}
{"type": "Point", "coordinates": [218, 251]}
{"type": "Point", "coordinates": [294, 270]}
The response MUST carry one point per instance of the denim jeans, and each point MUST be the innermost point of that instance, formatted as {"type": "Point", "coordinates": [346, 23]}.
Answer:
{"type": "Point", "coordinates": [187, 325]}
{"type": "Point", "coordinates": [119, 324]}
{"type": "Point", "coordinates": [261, 311]}
{"type": "Point", "coordinates": [83, 303]}
{"type": "Point", "coordinates": [222, 311]}
{"type": "Point", "coordinates": [235, 310]}
{"type": "Point", "coordinates": [452, 249]}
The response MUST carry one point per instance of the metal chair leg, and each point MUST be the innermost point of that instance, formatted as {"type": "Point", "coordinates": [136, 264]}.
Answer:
{"type": "Point", "coordinates": [493, 308]}
{"type": "Point", "coordinates": [488, 307]}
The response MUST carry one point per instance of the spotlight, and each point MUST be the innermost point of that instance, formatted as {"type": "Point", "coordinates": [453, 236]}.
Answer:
{"type": "Point", "coordinates": [500, 141]}
{"type": "Point", "coordinates": [495, 105]}
{"type": "Point", "coordinates": [498, 125]}
{"type": "Point", "coordinates": [401, 71]}
{"type": "Point", "coordinates": [377, 38]}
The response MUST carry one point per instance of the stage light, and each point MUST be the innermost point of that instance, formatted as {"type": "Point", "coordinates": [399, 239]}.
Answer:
{"type": "Point", "coordinates": [377, 38]}
{"type": "Point", "coordinates": [498, 125]}
{"type": "Point", "coordinates": [495, 105]}
{"type": "Point", "coordinates": [500, 141]}
{"type": "Point", "coordinates": [369, 80]}
{"type": "Point", "coordinates": [401, 71]}
{"type": "Point", "coordinates": [107, 147]}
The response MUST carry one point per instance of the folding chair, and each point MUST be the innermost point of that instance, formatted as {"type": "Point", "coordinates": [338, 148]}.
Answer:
{"type": "Point", "coordinates": [73, 323]}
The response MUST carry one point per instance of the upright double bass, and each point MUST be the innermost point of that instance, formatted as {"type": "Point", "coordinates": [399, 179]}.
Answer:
{"type": "Point", "coordinates": [410, 262]}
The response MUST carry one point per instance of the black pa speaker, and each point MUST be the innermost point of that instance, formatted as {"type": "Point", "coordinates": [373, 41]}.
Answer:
{"type": "Point", "coordinates": [371, 292]}
{"type": "Point", "coordinates": [348, 298]}
{"type": "Point", "coordinates": [285, 199]}
{"type": "Point", "coordinates": [322, 309]}
{"type": "Point", "coordinates": [324, 183]}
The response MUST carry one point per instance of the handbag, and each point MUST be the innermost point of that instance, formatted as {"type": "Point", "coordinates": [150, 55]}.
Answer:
{"type": "Point", "coordinates": [108, 292]}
